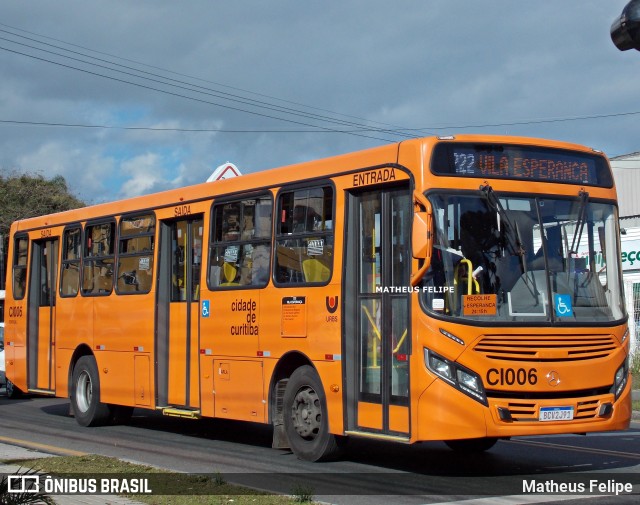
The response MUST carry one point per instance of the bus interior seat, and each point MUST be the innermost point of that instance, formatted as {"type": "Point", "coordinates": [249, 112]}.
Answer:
{"type": "Point", "coordinates": [70, 279]}
{"type": "Point", "coordinates": [315, 271]}
{"type": "Point", "coordinates": [229, 273]}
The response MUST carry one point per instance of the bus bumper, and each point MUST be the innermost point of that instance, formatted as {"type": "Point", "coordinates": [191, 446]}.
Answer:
{"type": "Point", "coordinates": [447, 414]}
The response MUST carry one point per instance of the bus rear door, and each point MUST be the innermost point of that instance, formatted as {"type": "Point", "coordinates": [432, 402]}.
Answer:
{"type": "Point", "coordinates": [177, 338]}
{"type": "Point", "coordinates": [41, 321]}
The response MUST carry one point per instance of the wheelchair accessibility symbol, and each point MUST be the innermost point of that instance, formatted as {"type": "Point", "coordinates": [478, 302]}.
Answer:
{"type": "Point", "coordinates": [205, 308]}
{"type": "Point", "coordinates": [562, 304]}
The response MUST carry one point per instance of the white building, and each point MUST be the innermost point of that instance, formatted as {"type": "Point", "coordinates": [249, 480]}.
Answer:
{"type": "Point", "coordinates": [626, 172]}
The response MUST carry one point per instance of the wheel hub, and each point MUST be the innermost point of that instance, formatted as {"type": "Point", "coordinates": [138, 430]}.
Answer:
{"type": "Point", "coordinates": [306, 413]}
{"type": "Point", "coordinates": [84, 391]}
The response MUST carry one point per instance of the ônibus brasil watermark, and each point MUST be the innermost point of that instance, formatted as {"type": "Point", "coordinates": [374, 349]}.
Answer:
{"type": "Point", "coordinates": [48, 484]}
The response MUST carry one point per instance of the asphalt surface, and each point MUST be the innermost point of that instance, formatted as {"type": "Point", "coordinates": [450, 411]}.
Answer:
{"type": "Point", "coordinates": [43, 426]}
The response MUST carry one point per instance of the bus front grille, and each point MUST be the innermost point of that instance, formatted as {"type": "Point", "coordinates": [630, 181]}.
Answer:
{"type": "Point", "coordinates": [528, 411]}
{"type": "Point", "coordinates": [540, 348]}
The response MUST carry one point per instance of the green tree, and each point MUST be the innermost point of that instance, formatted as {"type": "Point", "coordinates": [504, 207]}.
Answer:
{"type": "Point", "coordinates": [23, 196]}
{"type": "Point", "coordinates": [26, 195]}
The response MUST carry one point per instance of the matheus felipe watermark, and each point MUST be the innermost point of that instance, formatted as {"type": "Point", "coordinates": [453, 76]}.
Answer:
{"type": "Point", "coordinates": [591, 486]}
{"type": "Point", "coordinates": [396, 290]}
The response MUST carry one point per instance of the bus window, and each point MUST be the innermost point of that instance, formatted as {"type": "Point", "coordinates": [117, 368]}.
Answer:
{"type": "Point", "coordinates": [20, 267]}
{"type": "Point", "coordinates": [241, 246]}
{"type": "Point", "coordinates": [304, 247]}
{"type": "Point", "coordinates": [71, 253]}
{"type": "Point", "coordinates": [97, 268]}
{"type": "Point", "coordinates": [135, 254]}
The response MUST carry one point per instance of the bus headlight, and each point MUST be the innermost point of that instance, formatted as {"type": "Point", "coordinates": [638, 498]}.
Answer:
{"type": "Point", "coordinates": [456, 375]}
{"type": "Point", "coordinates": [440, 366]}
{"type": "Point", "coordinates": [620, 378]}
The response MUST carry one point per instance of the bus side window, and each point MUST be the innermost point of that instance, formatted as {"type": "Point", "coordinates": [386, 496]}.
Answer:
{"type": "Point", "coordinates": [21, 252]}
{"type": "Point", "coordinates": [304, 242]}
{"type": "Point", "coordinates": [241, 243]}
{"type": "Point", "coordinates": [97, 265]}
{"type": "Point", "coordinates": [70, 275]}
{"type": "Point", "coordinates": [135, 254]}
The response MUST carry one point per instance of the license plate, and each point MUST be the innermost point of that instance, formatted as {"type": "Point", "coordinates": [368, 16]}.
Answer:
{"type": "Point", "coordinates": [556, 413]}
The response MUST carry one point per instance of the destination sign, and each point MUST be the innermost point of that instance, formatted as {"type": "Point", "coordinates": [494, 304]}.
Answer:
{"type": "Point", "coordinates": [520, 162]}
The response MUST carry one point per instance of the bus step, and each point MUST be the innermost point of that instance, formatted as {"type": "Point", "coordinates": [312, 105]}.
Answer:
{"type": "Point", "coordinates": [378, 436]}
{"type": "Point", "coordinates": [173, 412]}
{"type": "Point", "coordinates": [36, 391]}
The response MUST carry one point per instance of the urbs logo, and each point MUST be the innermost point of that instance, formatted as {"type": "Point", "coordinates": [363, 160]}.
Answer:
{"type": "Point", "coordinates": [332, 304]}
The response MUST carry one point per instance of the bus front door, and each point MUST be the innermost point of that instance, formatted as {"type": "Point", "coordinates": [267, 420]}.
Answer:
{"type": "Point", "coordinates": [41, 321]}
{"type": "Point", "coordinates": [377, 301]}
{"type": "Point", "coordinates": [177, 337]}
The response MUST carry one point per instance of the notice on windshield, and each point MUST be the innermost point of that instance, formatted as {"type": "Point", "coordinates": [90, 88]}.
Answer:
{"type": "Point", "coordinates": [479, 305]}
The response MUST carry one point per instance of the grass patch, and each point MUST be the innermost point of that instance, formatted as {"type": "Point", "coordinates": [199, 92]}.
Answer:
{"type": "Point", "coordinates": [202, 490]}
{"type": "Point", "coordinates": [635, 372]}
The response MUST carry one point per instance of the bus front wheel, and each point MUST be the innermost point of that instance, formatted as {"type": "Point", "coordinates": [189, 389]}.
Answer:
{"type": "Point", "coordinates": [472, 444]}
{"type": "Point", "coordinates": [305, 417]}
{"type": "Point", "coordinates": [85, 397]}
{"type": "Point", "coordinates": [13, 391]}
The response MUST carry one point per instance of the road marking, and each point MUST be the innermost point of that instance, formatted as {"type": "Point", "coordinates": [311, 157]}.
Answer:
{"type": "Point", "coordinates": [513, 500]}
{"type": "Point", "coordinates": [41, 447]}
{"type": "Point", "coordinates": [604, 452]}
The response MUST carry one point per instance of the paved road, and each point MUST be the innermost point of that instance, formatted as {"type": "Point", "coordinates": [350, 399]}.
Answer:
{"type": "Point", "coordinates": [422, 473]}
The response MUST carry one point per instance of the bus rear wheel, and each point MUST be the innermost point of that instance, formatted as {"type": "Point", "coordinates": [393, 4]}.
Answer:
{"type": "Point", "coordinates": [85, 397]}
{"type": "Point", "coordinates": [305, 418]}
{"type": "Point", "coordinates": [472, 444]}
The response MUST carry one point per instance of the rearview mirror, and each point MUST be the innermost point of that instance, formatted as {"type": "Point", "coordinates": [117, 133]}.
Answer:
{"type": "Point", "coordinates": [422, 236]}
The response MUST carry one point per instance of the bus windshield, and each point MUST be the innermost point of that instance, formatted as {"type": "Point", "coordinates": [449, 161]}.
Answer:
{"type": "Point", "coordinates": [500, 258]}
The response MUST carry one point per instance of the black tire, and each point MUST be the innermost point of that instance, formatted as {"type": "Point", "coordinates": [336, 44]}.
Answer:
{"type": "Point", "coordinates": [471, 445]}
{"type": "Point", "coordinates": [305, 418]}
{"type": "Point", "coordinates": [12, 390]}
{"type": "Point", "coordinates": [85, 394]}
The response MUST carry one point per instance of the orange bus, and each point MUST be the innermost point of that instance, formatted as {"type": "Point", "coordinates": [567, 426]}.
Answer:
{"type": "Point", "coordinates": [461, 289]}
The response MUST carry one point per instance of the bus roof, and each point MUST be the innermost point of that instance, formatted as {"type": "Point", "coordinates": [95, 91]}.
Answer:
{"type": "Point", "coordinates": [275, 177]}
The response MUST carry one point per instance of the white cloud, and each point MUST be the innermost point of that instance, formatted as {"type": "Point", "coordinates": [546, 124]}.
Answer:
{"type": "Point", "coordinates": [87, 173]}
{"type": "Point", "coordinates": [142, 173]}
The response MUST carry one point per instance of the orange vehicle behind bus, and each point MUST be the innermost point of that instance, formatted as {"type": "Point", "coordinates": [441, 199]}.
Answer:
{"type": "Point", "coordinates": [460, 289]}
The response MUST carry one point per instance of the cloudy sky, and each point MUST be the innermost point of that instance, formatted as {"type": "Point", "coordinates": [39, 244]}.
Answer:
{"type": "Point", "coordinates": [154, 94]}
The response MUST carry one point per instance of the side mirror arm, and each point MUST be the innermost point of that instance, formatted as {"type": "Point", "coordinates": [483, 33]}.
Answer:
{"type": "Point", "coordinates": [421, 235]}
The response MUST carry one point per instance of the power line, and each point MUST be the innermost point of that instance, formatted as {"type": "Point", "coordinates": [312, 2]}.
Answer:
{"type": "Point", "coordinates": [190, 86]}
{"type": "Point", "coordinates": [394, 128]}
{"type": "Point", "coordinates": [356, 129]}
{"type": "Point", "coordinates": [200, 100]}
{"type": "Point", "coordinates": [529, 121]}
{"type": "Point", "coordinates": [162, 129]}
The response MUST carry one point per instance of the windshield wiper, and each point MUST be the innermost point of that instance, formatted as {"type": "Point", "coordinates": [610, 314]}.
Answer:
{"type": "Point", "coordinates": [512, 230]}
{"type": "Point", "coordinates": [582, 212]}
